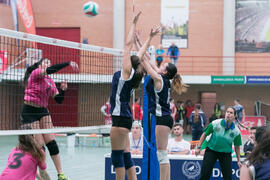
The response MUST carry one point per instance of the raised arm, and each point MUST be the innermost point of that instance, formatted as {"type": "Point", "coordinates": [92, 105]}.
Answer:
{"type": "Point", "coordinates": [126, 63]}
{"type": "Point", "coordinates": [146, 55]}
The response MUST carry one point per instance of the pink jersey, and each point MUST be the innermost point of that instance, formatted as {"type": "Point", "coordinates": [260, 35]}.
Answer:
{"type": "Point", "coordinates": [39, 88]}
{"type": "Point", "coordinates": [22, 166]}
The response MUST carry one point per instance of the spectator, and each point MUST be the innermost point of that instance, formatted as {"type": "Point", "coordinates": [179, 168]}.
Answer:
{"type": "Point", "coordinates": [136, 138]}
{"type": "Point", "coordinates": [249, 145]}
{"type": "Point", "coordinates": [240, 111]}
{"type": "Point", "coordinates": [181, 113]}
{"type": "Point", "coordinates": [174, 53]}
{"type": "Point", "coordinates": [216, 113]}
{"type": "Point", "coordinates": [197, 120]}
{"type": "Point", "coordinates": [105, 109]}
{"type": "Point", "coordinates": [178, 145]}
{"type": "Point", "coordinates": [159, 53]}
{"type": "Point", "coordinates": [173, 109]}
{"type": "Point", "coordinates": [258, 161]}
{"type": "Point", "coordinates": [138, 113]}
{"type": "Point", "coordinates": [189, 107]}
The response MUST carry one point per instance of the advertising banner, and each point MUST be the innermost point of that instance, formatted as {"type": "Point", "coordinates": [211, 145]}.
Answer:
{"type": "Point", "coordinates": [228, 79]}
{"type": "Point", "coordinates": [26, 14]}
{"type": "Point", "coordinates": [258, 80]}
{"type": "Point", "coordinates": [174, 20]}
{"type": "Point", "coordinates": [251, 121]}
{"type": "Point", "coordinates": [181, 168]}
{"type": "Point", "coordinates": [252, 26]}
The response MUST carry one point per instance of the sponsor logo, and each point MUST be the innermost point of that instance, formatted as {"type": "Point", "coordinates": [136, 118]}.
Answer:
{"type": "Point", "coordinates": [191, 169]}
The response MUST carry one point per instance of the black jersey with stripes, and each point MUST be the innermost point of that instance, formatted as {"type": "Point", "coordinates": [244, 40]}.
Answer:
{"type": "Point", "coordinates": [158, 101]}
{"type": "Point", "coordinates": [120, 94]}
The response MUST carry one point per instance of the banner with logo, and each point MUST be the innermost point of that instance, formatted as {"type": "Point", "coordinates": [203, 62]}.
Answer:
{"type": "Point", "coordinates": [252, 121]}
{"type": "Point", "coordinates": [26, 14]}
{"type": "Point", "coordinates": [174, 20]}
{"type": "Point", "coordinates": [3, 61]}
{"type": "Point", "coordinates": [182, 168]}
{"type": "Point", "coordinates": [228, 79]}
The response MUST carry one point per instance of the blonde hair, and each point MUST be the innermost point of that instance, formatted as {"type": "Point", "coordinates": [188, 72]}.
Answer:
{"type": "Point", "coordinates": [178, 85]}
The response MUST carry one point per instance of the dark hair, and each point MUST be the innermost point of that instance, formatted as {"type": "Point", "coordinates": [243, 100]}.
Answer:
{"type": "Point", "coordinates": [171, 71]}
{"type": "Point", "coordinates": [237, 100]}
{"type": "Point", "coordinates": [139, 70]}
{"type": "Point", "coordinates": [196, 114]}
{"type": "Point", "coordinates": [253, 128]}
{"type": "Point", "coordinates": [216, 106]}
{"type": "Point", "coordinates": [177, 124]}
{"type": "Point", "coordinates": [262, 149]}
{"type": "Point", "coordinates": [30, 69]}
{"type": "Point", "coordinates": [28, 144]}
{"type": "Point", "coordinates": [177, 83]}
{"type": "Point", "coordinates": [259, 133]}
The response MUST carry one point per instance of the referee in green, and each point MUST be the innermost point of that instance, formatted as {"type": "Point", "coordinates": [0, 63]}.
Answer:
{"type": "Point", "coordinates": [224, 133]}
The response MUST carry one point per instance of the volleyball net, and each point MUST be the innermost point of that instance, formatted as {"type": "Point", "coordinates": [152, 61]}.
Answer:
{"type": "Point", "coordinates": [87, 90]}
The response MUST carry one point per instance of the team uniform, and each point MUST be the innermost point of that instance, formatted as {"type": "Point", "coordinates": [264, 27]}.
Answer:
{"type": "Point", "coordinates": [178, 146]}
{"type": "Point", "coordinates": [21, 165]}
{"type": "Point", "coordinates": [120, 98]}
{"type": "Point", "coordinates": [39, 89]}
{"type": "Point", "coordinates": [261, 171]}
{"type": "Point", "coordinates": [220, 147]}
{"type": "Point", "coordinates": [158, 102]}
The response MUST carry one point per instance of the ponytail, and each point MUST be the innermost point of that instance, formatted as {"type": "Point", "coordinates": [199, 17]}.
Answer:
{"type": "Point", "coordinates": [196, 114]}
{"type": "Point", "coordinates": [29, 70]}
{"type": "Point", "coordinates": [178, 85]}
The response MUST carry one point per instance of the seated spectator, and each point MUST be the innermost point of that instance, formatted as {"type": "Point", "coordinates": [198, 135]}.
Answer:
{"type": "Point", "coordinates": [249, 145]}
{"type": "Point", "coordinates": [257, 164]}
{"type": "Point", "coordinates": [197, 120]}
{"type": "Point", "coordinates": [136, 138]}
{"type": "Point", "coordinates": [178, 145]}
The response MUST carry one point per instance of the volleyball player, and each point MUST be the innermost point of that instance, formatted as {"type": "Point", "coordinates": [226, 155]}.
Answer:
{"type": "Point", "coordinates": [39, 86]}
{"type": "Point", "coordinates": [224, 133]}
{"type": "Point", "coordinates": [24, 160]}
{"type": "Point", "coordinates": [123, 83]}
{"type": "Point", "coordinates": [158, 90]}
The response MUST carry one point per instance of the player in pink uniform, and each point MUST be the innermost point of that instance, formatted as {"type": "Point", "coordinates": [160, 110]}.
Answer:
{"type": "Point", "coordinates": [24, 160]}
{"type": "Point", "coordinates": [39, 86]}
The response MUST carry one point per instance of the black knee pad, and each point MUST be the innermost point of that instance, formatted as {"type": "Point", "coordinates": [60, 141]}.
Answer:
{"type": "Point", "coordinates": [128, 160]}
{"type": "Point", "coordinates": [53, 148]}
{"type": "Point", "coordinates": [117, 158]}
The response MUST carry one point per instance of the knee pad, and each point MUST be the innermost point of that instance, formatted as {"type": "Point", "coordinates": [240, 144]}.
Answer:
{"type": "Point", "coordinates": [53, 148]}
{"type": "Point", "coordinates": [162, 157]}
{"type": "Point", "coordinates": [128, 160]}
{"type": "Point", "coordinates": [117, 158]}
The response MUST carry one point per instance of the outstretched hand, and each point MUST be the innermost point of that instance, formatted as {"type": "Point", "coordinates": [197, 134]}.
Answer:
{"type": "Point", "coordinates": [155, 31]}
{"type": "Point", "coordinates": [135, 20]}
{"type": "Point", "coordinates": [74, 66]}
{"type": "Point", "coordinates": [63, 85]}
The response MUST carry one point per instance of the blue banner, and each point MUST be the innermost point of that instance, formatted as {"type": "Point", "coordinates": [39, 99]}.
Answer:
{"type": "Point", "coordinates": [258, 80]}
{"type": "Point", "coordinates": [181, 169]}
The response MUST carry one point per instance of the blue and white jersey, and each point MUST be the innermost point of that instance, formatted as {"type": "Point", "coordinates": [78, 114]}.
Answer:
{"type": "Point", "coordinates": [158, 101]}
{"type": "Point", "coordinates": [120, 95]}
{"type": "Point", "coordinates": [239, 111]}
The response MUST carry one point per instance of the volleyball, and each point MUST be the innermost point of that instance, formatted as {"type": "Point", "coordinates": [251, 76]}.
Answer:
{"type": "Point", "coordinates": [90, 9]}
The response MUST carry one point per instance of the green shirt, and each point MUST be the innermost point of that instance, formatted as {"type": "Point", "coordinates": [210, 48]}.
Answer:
{"type": "Point", "coordinates": [223, 136]}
